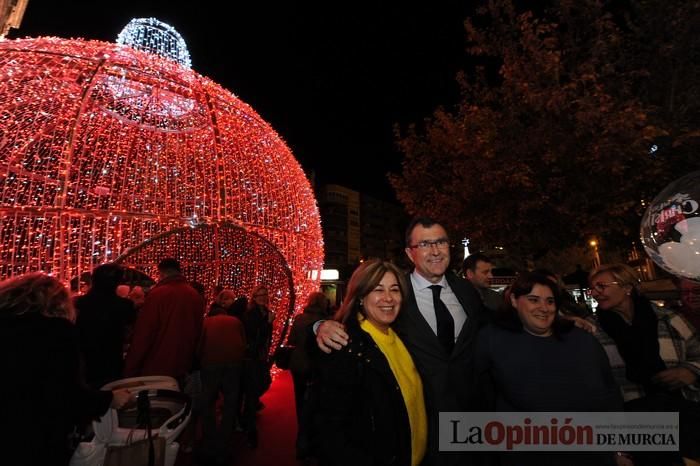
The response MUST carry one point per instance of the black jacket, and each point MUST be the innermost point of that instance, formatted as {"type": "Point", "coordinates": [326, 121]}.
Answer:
{"type": "Point", "coordinates": [102, 323]}
{"type": "Point", "coordinates": [449, 381]}
{"type": "Point", "coordinates": [258, 332]}
{"type": "Point", "coordinates": [43, 393]}
{"type": "Point", "coordinates": [301, 362]}
{"type": "Point", "coordinates": [361, 408]}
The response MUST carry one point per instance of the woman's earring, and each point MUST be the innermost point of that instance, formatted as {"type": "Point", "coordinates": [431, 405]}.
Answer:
{"type": "Point", "coordinates": [360, 303]}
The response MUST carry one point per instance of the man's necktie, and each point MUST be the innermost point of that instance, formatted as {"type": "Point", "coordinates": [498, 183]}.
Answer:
{"type": "Point", "coordinates": [445, 322]}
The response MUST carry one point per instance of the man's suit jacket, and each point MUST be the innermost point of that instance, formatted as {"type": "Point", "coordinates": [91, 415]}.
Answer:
{"type": "Point", "coordinates": [448, 379]}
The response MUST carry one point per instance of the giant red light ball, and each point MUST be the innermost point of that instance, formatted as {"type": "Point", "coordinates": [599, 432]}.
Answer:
{"type": "Point", "coordinates": [111, 153]}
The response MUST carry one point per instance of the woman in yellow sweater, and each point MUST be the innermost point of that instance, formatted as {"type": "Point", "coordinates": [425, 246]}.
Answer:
{"type": "Point", "coordinates": [371, 404]}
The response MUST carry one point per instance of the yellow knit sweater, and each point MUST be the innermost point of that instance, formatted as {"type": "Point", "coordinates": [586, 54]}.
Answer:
{"type": "Point", "coordinates": [409, 381]}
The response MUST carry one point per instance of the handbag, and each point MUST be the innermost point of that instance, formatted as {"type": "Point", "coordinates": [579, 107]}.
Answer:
{"type": "Point", "coordinates": [148, 451]}
{"type": "Point", "coordinates": [282, 356]}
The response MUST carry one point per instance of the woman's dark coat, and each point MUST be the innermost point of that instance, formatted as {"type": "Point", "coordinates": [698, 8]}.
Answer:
{"type": "Point", "coordinates": [43, 391]}
{"type": "Point", "coordinates": [362, 411]}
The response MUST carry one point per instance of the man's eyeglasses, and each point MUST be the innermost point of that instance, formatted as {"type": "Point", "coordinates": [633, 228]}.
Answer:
{"type": "Point", "coordinates": [600, 287]}
{"type": "Point", "coordinates": [442, 243]}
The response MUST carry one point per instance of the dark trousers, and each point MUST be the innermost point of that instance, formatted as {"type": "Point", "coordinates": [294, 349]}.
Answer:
{"type": "Point", "coordinates": [253, 388]}
{"type": "Point", "coordinates": [301, 380]}
{"type": "Point", "coordinates": [304, 414]}
{"type": "Point", "coordinates": [224, 378]}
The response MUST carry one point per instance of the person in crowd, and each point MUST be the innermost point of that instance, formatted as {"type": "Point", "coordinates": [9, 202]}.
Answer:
{"type": "Point", "coordinates": [199, 288]}
{"type": "Point", "coordinates": [218, 288]}
{"type": "Point", "coordinates": [371, 397]}
{"type": "Point", "coordinates": [43, 392]}
{"type": "Point", "coordinates": [533, 360]}
{"type": "Point", "coordinates": [193, 388]}
{"type": "Point", "coordinates": [238, 310]}
{"type": "Point", "coordinates": [168, 327]}
{"type": "Point", "coordinates": [223, 302]}
{"type": "Point", "coordinates": [260, 300]}
{"type": "Point", "coordinates": [221, 350]}
{"type": "Point", "coordinates": [689, 303]}
{"type": "Point", "coordinates": [104, 321]}
{"type": "Point", "coordinates": [478, 269]}
{"type": "Point", "coordinates": [654, 354]}
{"type": "Point", "coordinates": [137, 296]}
{"type": "Point", "coordinates": [239, 306]}
{"type": "Point", "coordinates": [438, 325]}
{"type": "Point", "coordinates": [122, 291]}
{"type": "Point", "coordinates": [257, 321]}
{"type": "Point", "coordinates": [301, 366]}
{"type": "Point", "coordinates": [80, 285]}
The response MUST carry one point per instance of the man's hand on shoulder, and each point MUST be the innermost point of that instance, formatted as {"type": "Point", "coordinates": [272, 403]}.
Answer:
{"type": "Point", "coordinates": [331, 336]}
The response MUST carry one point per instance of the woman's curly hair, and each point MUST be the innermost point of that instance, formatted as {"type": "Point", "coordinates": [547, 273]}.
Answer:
{"type": "Point", "coordinates": [35, 293]}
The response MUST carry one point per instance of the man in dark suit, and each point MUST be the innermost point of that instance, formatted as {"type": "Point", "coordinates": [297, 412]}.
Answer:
{"type": "Point", "coordinates": [438, 325]}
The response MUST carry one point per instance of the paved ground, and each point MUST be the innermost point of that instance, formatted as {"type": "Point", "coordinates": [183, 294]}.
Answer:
{"type": "Point", "coordinates": [276, 427]}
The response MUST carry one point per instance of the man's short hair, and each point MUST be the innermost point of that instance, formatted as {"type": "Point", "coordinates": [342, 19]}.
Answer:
{"type": "Point", "coordinates": [470, 262]}
{"type": "Point", "coordinates": [169, 264]}
{"type": "Point", "coordinates": [107, 277]}
{"type": "Point", "coordinates": [425, 222]}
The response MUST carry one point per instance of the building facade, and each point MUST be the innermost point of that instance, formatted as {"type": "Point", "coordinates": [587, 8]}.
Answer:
{"type": "Point", "coordinates": [357, 227]}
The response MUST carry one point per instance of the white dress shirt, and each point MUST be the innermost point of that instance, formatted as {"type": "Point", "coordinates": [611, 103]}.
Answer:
{"type": "Point", "coordinates": [424, 298]}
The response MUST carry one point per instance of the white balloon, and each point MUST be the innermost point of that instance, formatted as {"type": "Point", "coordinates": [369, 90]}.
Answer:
{"type": "Point", "coordinates": [670, 229]}
{"type": "Point", "coordinates": [681, 258]}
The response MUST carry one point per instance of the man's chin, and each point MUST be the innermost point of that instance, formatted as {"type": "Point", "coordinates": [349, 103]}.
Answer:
{"type": "Point", "coordinates": [438, 271]}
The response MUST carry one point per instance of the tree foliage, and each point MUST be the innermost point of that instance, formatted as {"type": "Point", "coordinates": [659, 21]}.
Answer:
{"type": "Point", "coordinates": [555, 146]}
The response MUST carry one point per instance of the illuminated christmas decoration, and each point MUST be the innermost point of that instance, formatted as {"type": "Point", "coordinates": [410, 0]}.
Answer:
{"type": "Point", "coordinates": [111, 153]}
{"type": "Point", "coordinates": [151, 35]}
{"type": "Point", "coordinates": [234, 258]}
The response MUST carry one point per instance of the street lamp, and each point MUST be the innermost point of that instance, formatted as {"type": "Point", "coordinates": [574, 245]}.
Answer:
{"type": "Point", "coordinates": [596, 255]}
{"type": "Point", "coordinates": [465, 242]}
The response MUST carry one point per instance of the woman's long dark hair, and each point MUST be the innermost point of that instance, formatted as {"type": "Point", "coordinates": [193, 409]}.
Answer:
{"type": "Point", "coordinates": [364, 279]}
{"type": "Point", "coordinates": [507, 315]}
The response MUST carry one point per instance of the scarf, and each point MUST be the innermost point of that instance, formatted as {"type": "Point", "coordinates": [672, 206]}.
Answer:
{"type": "Point", "coordinates": [638, 342]}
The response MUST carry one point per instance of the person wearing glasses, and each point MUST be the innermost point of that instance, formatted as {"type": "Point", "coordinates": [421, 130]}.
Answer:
{"type": "Point", "coordinates": [438, 325]}
{"type": "Point", "coordinates": [654, 354]}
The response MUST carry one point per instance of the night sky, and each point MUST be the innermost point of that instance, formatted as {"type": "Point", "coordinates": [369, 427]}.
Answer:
{"type": "Point", "coordinates": [331, 80]}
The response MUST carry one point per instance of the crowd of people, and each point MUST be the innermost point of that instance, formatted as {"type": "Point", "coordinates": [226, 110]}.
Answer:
{"type": "Point", "coordinates": [525, 353]}
{"type": "Point", "coordinates": [60, 350]}
{"type": "Point", "coordinates": [371, 378]}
